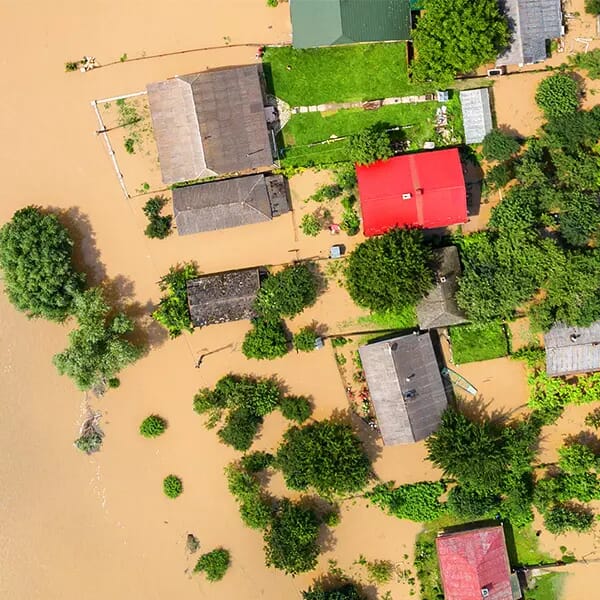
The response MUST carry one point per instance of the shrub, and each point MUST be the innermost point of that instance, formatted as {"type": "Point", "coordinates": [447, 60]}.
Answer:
{"type": "Point", "coordinates": [305, 340]}
{"type": "Point", "coordinates": [467, 503]}
{"type": "Point", "coordinates": [310, 225]}
{"type": "Point", "coordinates": [256, 461]}
{"type": "Point", "coordinates": [114, 383]}
{"type": "Point", "coordinates": [593, 419]}
{"type": "Point", "coordinates": [241, 425]}
{"type": "Point", "coordinates": [255, 510]}
{"type": "Point", "coordinates": [498, 176]}
{"type": "Point", "coordinates": [333, 518]}
{"type": "Point", "coordinates": [558, 95]}
{"type": "Point", "coordinates": [350, 222]}
{"type": "Point", "coordinates": [379, 571]}
{"type": "Point", "coordinates": [565, 517]}
{"type": "Point", "coordinates": [214, 564]}
{"type": "Point", "coordinates": [532, 354]}
{"type": "Point", "coordinates": [347, 591]}
{"type": "Point", "coordinates": [296, 408]}
{"type": "Point", "coordinates": [266, 340]}
{"type": "Point", "coordinates": [414, 501]}
{"type": "Point", "coordinates": [153, 426]}
{"type": "Point", "coordinates": [326, 456]}
{"type": "Point", "coordinates": [172, 486]}
{"type": "Point", "coordinates": [36, 260]}
{"type": "Point", "coordinates": [576, 458]}
{"type": "Point", "coordinates": [370, 145]}
{"type": "Point", "coordinates": [592, 7]}
{"type": "Point", "coordinates": [497, 145]}
{"type": "Point", "coordinates": [345, 176]}
{"type": "Point", "coordinates": [326, 192]}
{"type": "Point", "coordinates": [337, 342]}
{"type": "Point", "coordinates": [89, 442]}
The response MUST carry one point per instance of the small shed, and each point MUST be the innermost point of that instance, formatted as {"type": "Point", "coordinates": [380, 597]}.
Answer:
{"type": "Point", "coordinates": [572, 350]}
{"type": "Point", "coordinates": [405, 386]}
{"type": "Point", "coordinates": [477, 114]}
{"type": "Point", "coordinates": [223, 297]}
{"type": "Point", "coordinates": [229, 203]}
{"type": "Point", "coordinates": [439, 307]}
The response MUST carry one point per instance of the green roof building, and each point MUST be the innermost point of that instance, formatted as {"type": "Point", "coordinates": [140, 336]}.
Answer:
{"type": "Point", "coordinates": [332, 22]}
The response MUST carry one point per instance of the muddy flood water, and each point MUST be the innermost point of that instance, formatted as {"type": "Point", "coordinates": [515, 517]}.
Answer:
{"type": "Point", "coordinates": [73, 526]}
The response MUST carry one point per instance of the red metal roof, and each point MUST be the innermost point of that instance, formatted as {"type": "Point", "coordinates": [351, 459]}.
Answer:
{"type": "Point", "coordinates": [471, 561]}
{"type": "Point", "coordinates": [434, 181]}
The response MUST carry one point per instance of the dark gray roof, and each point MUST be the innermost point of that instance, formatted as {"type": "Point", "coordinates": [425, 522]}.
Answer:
{"type": "Point", "coordinates": [532, 22]}
{"type": "Point", "coordinates": [223, 297]}
{"type": "Point", "coordinates": [405, 386]}
{"type": "Point", "coordinates": [572, 349]}
{"type": "Point", "coordinates": [210, 123]}
{"type": "Point", "coordinates": [477, 114]}
{"type": "Point", "coordinates": [439, 308]}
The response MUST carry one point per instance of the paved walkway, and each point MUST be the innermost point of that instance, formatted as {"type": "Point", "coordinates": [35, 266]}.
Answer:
{"type": "Point", "coordinates": [369, 104]}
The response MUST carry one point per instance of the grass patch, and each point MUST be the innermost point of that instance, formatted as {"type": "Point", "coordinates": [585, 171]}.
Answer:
{"type": "Point", "coordinates": [476, 342]}
{"type": "Point", "coordinates": [404, 319]}
{"type": "Point", "coordinates": [346, 73]}
{"type": "Point", "coordinates": [527, 550]}
{"type": "Point", "coordinates": [547, 587]}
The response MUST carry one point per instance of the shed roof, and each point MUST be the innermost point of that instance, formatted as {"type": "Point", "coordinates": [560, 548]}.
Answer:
{"type": "Point", "coordinates": [439, 307]}
{"type": "Point", "coordinates": [571, 350]}
{"type": "Point", "coordinates": [228, 203]}
{"type": "Point", "coordinates": [532, 22]}
{"type": "Point", "coordinates": [223, 297]}
{"type": "Point", "coordinates": [405, 386]}
{"type": "Point", "coordinates": [426, 189]}
{"type": "Point", "coordinates": [348, 21]}
{"type": "Point", "coordinates": [477, 114]}
{"type": "Point", "coordinates": [474, 560]}
{"type": "Point", "coordinates": [210, 123]}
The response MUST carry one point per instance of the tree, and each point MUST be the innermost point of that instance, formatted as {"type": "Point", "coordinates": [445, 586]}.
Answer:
{"type": "Point", "coordinates": [577, 458]}
{"type": "Point", "coordinates": [499, 175]}
{"type": "Point", "coordinates": [36, 260]}
{"type": "Point", "coordinates": [153, 426]}
{"type": "Point", "coordinates": [172, 486]}
{"type": "Point", "coordinates": [266, 340]}
{"type": "Point", "coordinates": [500, 146]}
{"type": "Point", "coordinates": [255, 508]}
{"type": "Point", "coordinates": [592, 7]}
{"type": "Point", "coordinates": [558, 95]}
{"type": "Point", "coordinates": [159, 226]}
{"type": "Point", "coordinates": [347, 591]}
{"type": "Point", "coordinates": [457, 36]}
{"type": "Point", "coordinates": [391, 271]}
{"type": "Point", "coordinates": [305, 339]}
{"type": "Point", "coordinates": [241, 425]}
{"type": "Point", "coordinates": [296, 408]}
{"type": "Point", "coordinates": [214, 563]}
{"type": "Point", "coordinates": [370, 145]}
{"type": "Point", "coordinates": [291, 540]}
{"type": "Point", "coordinates": [287, 293]}
{"type": "Point", "coordinates": [98, 348]}
{"type": "Point", "coordinates": [326, 456]}
{"type": "Point", "coordinates": [565, 517]}
{"type": "Point", "coordinates": [467, 503]}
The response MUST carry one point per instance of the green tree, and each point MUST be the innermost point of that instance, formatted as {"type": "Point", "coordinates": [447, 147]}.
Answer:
{"type": "Point", "coordinates": [172, 486]}
{"type": "Point", "coordinates": [311, 225]}
{"type": "Point", "coordinates": [153, 426]}
{"type": "Point", "coordinates": [241, 425]}
{"type": "Point", "coordinates": [592, 7]}
{"type": "Point", "coordinates": [98, 348]}
{"type": "Point", "coordinates": [577, 458]}
{"type": "Point", "coordinates": [291, 540]}
{"type": "Point", "coordinates": [457, 36]}
{"type": "Point", "coordinates": [370, 145]}
{"type": "Point", "coordinates": [255, 508]}
{"type": "Point", "coordinates": [159, 226]}
{"type": "Point", "coordinates": [296, 408]}
{"type": "Point", "coordinates": [347, 591]}
{"type": "Point", "coordinates": [214, 564]}
{"type": "Point", "coordinates": [266, 340]}
{"type": "Point", "coordinates": [326, 456]}
{"type": "Point", "coordinates": [558, 95]}
{"type": "Point", "coordinates": [36, 262]}
{"type": "Point", "coordinates": [561, 518]}
{"type": "Point", "coordinates": [414, 501]}
{"type": "Point", "coordinates": [467, 503]}
{"type": "Point", "coordinates": [499, 175]}
{"type": "Point", "coordinates": [500, 146]}
{"type": "Point", "coordinates": [305, 339]}
{"type": "Point", "coordinates": [256, 461]}
{"type": "Point", "coordinates": [391, 271]}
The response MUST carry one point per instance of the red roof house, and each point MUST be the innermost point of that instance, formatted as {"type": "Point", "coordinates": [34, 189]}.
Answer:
{"type": "Point", "coordinates": [474, 564]}
{"type": "Point", "coordinates": [413, 190]}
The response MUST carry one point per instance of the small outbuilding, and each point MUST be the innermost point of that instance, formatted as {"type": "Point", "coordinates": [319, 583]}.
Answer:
{"type": "Point", "coordinates": [477, 114]}
{"type": "Point", "coordinates": [439, 307]}
{"type": "Point", "coordinates": [572, 350]}
{"type": "Point", "coordinates": [223, 297]}
{"type": "Point", "coordinates": [405, 386]}
{"type": "Point", "coordinates": [210, 123]}
{"type": "Point", "coordinates": [229, 203]}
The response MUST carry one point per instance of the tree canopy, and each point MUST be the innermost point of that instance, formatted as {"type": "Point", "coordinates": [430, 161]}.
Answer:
{"type": "Point", "coordinates": [266, 340]}
{"type": "Point", "coordinates": [370, 145]}
{"type": "Point", "coordinates": [558, 95]}
{"type": "Point", "coordinates": [347, 591]}
{"type": "Point", "coordinates": [498, 145]}
{"type": "Point", "coordinates": [391, 271]}
{"type": "Point", "coordinates": [457, 36]}
{"type": "Point", "coordinates": [36, 261]}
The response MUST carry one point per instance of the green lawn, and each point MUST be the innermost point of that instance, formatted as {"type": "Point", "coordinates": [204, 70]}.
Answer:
{"type": "Point", "coordinates": [547, 587]}
{"type": "Point", "coordinates": [471, 343]}
{"type": "Point", "coordinates": [338, 74]}
{"type": "Point", "coordinates": [404, 319]}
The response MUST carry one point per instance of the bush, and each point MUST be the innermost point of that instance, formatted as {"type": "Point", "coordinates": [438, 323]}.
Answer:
{"type": "Point", "coordinates": [497, 145]}
{"type": "Point", "coordinates": [296, 408]}
{"type": "Point", "coordinates": [592, 7]}
{"type": "Point", "coordinates": [333, 518]}
{"type": "Point", "coordinates": [89, 442]}
{"type": "Point", "coordinates": [266, 340]}
{"type": "Point", "coordinates": [255, 509]}
{"type": "Point", "coordinates": [153, 426]}
{"type": "Point", "coordinates": [467, 503]}
{"type": "Point", "coordinates": [326, 456]}
{"type": "Point", "coordinates": [214, 564]}
{"type": "Point", "coordinates": [498, 176]}
{"type": "Point", "coordinates": [558, 95]}
{"type": "Point", "coordinates": [593, 419]}
{"type": "Point", "coordinates": [345, 176]}
{"type": "Point", "coordinates": [370, 145]}
{"type": "Point", "coordinates": [565, 517]}
{"type": "Point", "coordinates": [326, 192]}
{"type": "Point", "coordinates": [379, 571]}
{"type": "Point", "coordinates": [391, 271]}
{"type": "Point", "coordinates": [305, 340]}
{"type": "Point", "coordinates": [347, 591]}
{"type": "Point", "coordinates": [172, 486]}
{"type": "Point", "coordinates": [576, 458]}
{"type": "Point", "coordinates": [256, 461]}
{"type": "Point", "coordinates": [311, 225]}
{"type": "Point", "coordinates": [241, 425]}
{"type": "Point", "coordinates": [36, 261]}
{"type": "Point", "coordinates": [350, 222]}
{"type": "Point", "coordinates": [414, 501]}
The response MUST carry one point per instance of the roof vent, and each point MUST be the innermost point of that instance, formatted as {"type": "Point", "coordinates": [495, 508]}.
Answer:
{"type": "Point", "coordinates": [406, 196]}
{"type": "Point", "coordinates": [485, 592]}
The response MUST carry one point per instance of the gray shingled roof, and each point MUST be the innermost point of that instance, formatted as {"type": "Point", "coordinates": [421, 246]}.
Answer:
{"type": "Point", "coordinates": [223, 297]}
{"type": "Point", "coordinates": [532, 22]}
{"type": "Point", "coordinates": [477, 114]}
{"type": "Point", "coordinates": [439, 308]}
{"type": "Point", "coordinates": [572, 350]}
{"type": "Point", "coordinates": [405, 386]}
{"type": "Point", "coordinates": [210, 123]}
{"type": "Point", "coordinates": [228, 203]}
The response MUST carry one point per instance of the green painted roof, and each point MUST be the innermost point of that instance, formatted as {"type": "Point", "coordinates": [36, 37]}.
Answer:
{"type": "Point", "coordinates": [331, 22]}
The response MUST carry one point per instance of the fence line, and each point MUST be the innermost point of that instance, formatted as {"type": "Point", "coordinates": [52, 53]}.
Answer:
{"type": "Point", "coordinates": [123, 97]}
